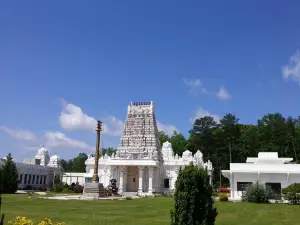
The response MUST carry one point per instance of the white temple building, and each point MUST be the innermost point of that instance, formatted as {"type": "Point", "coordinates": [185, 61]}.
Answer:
{"type": "Point", "coordinates": [141, 165]}
{"type": "Point", "coordinates": [268, 169]}
{"type": "Point", "coordinates": [38, 172]}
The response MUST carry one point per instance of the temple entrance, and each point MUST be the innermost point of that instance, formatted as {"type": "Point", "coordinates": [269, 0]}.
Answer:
{"type": "Point", "coordinates": [132, 179]}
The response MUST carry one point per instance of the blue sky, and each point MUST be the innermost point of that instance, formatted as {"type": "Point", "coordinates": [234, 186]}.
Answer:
{"type": "Point", "coordinates": [64, 64]}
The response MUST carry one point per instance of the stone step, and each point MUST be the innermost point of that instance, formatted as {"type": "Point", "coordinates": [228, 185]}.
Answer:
{"type": "Point", "coordinates": [129, 194]}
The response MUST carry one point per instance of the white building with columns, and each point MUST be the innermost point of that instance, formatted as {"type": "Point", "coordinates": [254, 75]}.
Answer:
{"type": "Point", "coordinates": [141, 166]}
{"type": "Point", "coordinates": [267, 169]}
{"type": "Point", "coordinates": [38, 172]}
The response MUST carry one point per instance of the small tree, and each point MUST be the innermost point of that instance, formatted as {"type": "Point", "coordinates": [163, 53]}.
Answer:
{"type": "Point", "coordinates": [193, 198]}
{"type": "Point", "coordinates": [10, 176]}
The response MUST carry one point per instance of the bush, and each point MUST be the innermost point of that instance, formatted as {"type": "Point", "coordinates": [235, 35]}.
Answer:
{"type": "Point", "coordinates": [77, 188]}
{"type": "Point", "coordinates": [67, 190]}
{"type": "Point", "coordinates": [43, 189]}
{"type": "Point", "coordinates": [128, 198]}
{"type": "Point", "coordinates": [23, 221]}
{"type": "Point", "coordinates": [292, 193]}
{"type": "Point", "coordinates": [257, 193]}
{"type": "Point", "coordinates": [58, 188]}
{"type": "Point", "coordinates": [193, 198]}
{"type": "Point", "coordinates": [223, 197]}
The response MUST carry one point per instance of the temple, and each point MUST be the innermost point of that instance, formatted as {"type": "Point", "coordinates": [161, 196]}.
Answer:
{"type": "Point", "coordinates": [141, 165]}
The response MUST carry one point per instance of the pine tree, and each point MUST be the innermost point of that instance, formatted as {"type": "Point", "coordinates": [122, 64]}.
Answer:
{"type": "Point", "coordinates": [10, 178]}
{"type": "Point", "coordinates": [193, 198]}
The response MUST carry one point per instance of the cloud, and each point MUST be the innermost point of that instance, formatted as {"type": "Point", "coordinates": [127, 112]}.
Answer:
{"type": "Point", "coordinates": [292, 69]}
{"type": "Point", "coordinates": [167, 128]}
{"type": "Point", "coordinates": [19, 134]}
{"type": "Point", "coordinates": [200, 112]}
{"type": "Point", "coordinates": [195, 86]}
{"type": "Point", "coordinates": [72, 117]}
{"type": "Point", "coordinates": [223, 94]}
{"type": "Point", "coordinates": [58, 139]}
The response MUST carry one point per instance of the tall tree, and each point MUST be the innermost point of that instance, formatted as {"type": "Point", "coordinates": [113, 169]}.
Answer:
{"type": "Point", "coordinates": [178, 142]}
{"type": "Point", "coordinates": [163, 137]}
{"type": "Point", "coordinates": [79, 163]}
{"type": "Point", "coordinates": [10, 177]}
{"type": "Point", "coordinates": [229, 125]}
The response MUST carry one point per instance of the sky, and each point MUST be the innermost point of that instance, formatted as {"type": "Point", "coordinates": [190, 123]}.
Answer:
{"type": "Point", "coordinates": [66, 64]}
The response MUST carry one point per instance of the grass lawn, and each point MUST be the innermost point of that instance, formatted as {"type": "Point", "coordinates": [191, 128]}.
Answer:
{"type": "Point", "coordinates": [144, 211]}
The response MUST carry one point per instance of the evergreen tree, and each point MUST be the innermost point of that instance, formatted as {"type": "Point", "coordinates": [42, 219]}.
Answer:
{"type": "Point", "coordinates": [10, 177]}
{"type": "Point", "coordinates": [193, 198]}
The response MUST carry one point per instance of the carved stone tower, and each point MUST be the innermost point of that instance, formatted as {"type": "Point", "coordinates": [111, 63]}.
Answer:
{"type": "Point", "coordinates": [140, 138]}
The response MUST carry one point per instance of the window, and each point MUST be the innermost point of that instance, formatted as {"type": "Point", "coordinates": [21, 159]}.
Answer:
{"type": "Point", "coordinates": [21, 178]}
{"type": "Point", "coordinates": [166, 183]}
{"type": "Point", "coordinates": [25, 179]}
{"type": "Point", "coordinates": [33, 179]}
{"type": "Point", "coordinates": [242, 186]}
{"type": "Point", "coordinates": [29, 179]}
{"type": "Point", "coordinates": [276, 187]}
{"type": "Point", "coordinates": [44, 179]}
{"type": "Point", "coordinates": [37, 179]}
{"type": "Point", "coordinates": [41, 181]}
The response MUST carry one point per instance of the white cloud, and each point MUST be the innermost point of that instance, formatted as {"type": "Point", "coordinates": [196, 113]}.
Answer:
{"type": "Point", "coordinates": [167, 128]}
{"type": "Point", "coordinates": [58, 139]}
{"type": "Point", "coordinates": [200, 112]}
{"type": "Point", "coordinates": [72, 117]}
{"type": "Point", "coordinates": [19, 134]}
{"type": "Point", "coordinates": [292, 69]}
{"type": "Point", "coordinates": [195, 86]}
{"type": "Point", "coordinates": [223, 94]}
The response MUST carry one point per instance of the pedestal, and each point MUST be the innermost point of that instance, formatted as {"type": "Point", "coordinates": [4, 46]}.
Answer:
{"type": "Point", "coordinates": [94, 190]}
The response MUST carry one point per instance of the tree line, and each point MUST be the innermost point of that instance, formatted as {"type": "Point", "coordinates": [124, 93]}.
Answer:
{"type": "Point", "coordinates": [227, 140]}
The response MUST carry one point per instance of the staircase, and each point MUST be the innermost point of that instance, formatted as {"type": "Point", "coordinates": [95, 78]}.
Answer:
{"type": "Point", "coordinates": [94, 190]}
{"type": "Point", "coordinates": [129, 194]}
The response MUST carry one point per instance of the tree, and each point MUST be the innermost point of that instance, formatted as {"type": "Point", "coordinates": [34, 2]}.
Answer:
{"type": "Point", "coordinates": [10, 176]}
{"type": "Point", "coordinates": [231, 131]}
{"type": "Point", "coordinates": [163, 137]}
{"type": "Point", "coordinates": [108, 151]}
{"type": "Point", "coordinates": [178, 142]}
{"type": "Point", "coordinates": [193, 198]}
{"type": "Point", "coordinates": [79, 163]}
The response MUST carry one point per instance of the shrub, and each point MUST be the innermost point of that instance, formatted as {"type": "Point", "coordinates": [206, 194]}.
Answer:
{"type": "Point", "coordinates": [128, 198]}
{"type": "Point", "coordinates": [23, 221]}
{"type": "Point", "coordinates": [67, 190]}
{"type": "Point", "coordinates": [223, 197]}
{"type": "Point", "coordinates": [193, 202]}
{"type": "Point", "coordinates": [257, 193]}
{"type": "Point", "coordinates": [58, 187]}
{"type": "Point", "coordinates": [42, 189]}
{"type": "Point", "coordinates": [77, 188]}
{"type": "Point", "coordinates": [292, 193]}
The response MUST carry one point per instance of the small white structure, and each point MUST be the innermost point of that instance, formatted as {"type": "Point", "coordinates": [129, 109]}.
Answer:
{"type": "Point", "coordinates": [267, 169]}
{"type": "Point", "coordinates": [141, 166]}
{"type": "Point", "coordinates": [38, 172]}
{"type": "Point", "coordinates": [73, 178]}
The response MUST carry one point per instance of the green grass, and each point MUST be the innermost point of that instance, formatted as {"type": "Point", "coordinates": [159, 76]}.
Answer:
{"type": "Point", "coordinates": [144, 211]}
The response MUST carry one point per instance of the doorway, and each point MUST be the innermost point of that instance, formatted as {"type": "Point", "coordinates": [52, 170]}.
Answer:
{"type": "Point", "coordinates": [132, 179]}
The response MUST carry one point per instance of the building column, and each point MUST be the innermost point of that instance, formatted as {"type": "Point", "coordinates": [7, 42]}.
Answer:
{"type": "Point", "coordinates": [121, 180]}
{"type": "Point", "coordinates": [210, 178]}
{"type": "Point", "coordinates": [141, 173]}
{"type": "Point", "coordinates": [231, 185]}
{"type": "Point", "coordinates": [150, 172]}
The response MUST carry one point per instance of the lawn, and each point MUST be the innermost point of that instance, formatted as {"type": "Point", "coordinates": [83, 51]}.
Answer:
{"type": "Point", "coordinates": [144, 211]}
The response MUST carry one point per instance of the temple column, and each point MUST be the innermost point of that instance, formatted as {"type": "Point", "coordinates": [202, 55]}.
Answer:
{"type": "Point", "coordinates": [121, 180]}
{"type": "Point", "coordinates": [210, 178]}
{"type": "Point", "coordinates": [141, 173]}
{"type": "Point", "coordinates": [150, 172]}
{"type": "Point", "coordinates": [232, 184]}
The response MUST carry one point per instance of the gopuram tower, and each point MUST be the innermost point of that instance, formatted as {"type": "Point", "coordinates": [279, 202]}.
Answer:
{"type": "Point", "coordinates": [140, 138]}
